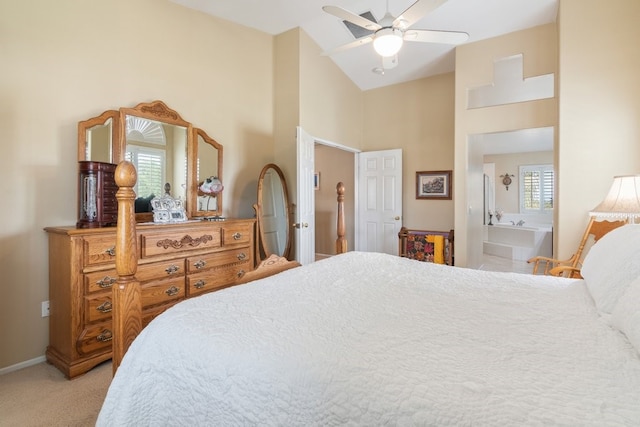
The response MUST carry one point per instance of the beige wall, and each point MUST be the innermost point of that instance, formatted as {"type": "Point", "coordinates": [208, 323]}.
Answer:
{"type": "Point", "coordinates": [418, 118]}
{"type": "Point", "coordinates": [60, 65]}
{"type": "Point", "coordinates": [599, 132]}
{"type": "Point", "coordinates": [474, 67]}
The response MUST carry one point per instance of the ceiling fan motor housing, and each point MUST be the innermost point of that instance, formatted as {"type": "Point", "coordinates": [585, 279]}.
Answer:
{"type": "Point", "coordinates": [388, 41]}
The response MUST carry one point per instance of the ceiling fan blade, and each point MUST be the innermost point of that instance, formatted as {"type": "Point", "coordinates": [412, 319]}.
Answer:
{"type": "Point", "coordinates": [350, 45]}
{"type": "Point", "coordinates": [433, 36]}
{"type": "Point", "coordinates": [345, 15]}
{"type": "Point", "coordinates": [416, 12]}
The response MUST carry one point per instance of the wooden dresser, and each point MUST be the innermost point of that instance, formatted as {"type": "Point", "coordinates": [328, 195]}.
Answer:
{"type": "Point", "coordinates": [176, 261]}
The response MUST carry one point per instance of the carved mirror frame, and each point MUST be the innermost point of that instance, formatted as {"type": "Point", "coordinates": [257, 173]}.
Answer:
{"type": "Point", "coordinates": [156, 111]}
{"type": "Point", "coordinates": [272, 208]}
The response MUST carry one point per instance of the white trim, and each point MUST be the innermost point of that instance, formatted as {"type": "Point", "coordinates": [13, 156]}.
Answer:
{"type": "Point", "coordinates": [22, 365]}
{"type": "Point", "coordinates": [335, 145]}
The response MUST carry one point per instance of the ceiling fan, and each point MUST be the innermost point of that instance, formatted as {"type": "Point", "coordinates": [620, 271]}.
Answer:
{"type": "Point", "coordinates": [389, 34]}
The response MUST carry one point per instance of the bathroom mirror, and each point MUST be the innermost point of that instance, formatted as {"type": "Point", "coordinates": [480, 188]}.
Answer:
{"type": "Point", "coordinates": [273, 213]}
{"type": "Point", "coordinates": [163, 146]}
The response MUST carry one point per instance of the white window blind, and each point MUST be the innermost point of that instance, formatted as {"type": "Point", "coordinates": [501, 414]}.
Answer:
{"type": "Point", "coordinates": [150, 166]}
{"type": "Point", "coordinates": [536, 188]}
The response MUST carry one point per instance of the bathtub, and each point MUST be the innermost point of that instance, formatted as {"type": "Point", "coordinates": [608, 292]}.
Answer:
{"type": "Point", "coordinates": [518, 242]}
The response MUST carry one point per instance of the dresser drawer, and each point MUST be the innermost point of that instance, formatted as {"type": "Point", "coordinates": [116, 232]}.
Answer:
{"type": "Point", "coordinates": [99, 281]}
{"type": "Point", "coordinates": [98, 307]}
{"type": "Point", "coordinates": [171, 243]}
{"type": "Point", "coordinates": [204, 262]}
{"type": "Point", "coordinates": [237, 234]}
{"type": "Point", "coordinates": [95, 338]}
{"type": "Point", "coordinates": [160, 292]}
{"type": "Point", "coordinates": [99, 250]}
{"type": "Point", "coordinates": [217, 278]}
{"type": "Point", "coordinates": [160, 270]}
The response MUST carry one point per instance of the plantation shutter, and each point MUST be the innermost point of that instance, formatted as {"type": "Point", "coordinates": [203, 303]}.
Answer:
{"type": "Point", "coordinates": [149, 165]}
{"type": "Point", "coordinates": [536, 188]}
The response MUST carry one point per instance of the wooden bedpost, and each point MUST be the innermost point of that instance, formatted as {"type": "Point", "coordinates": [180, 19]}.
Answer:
{"type": "Point", "coordinates": [341, 242]}
{"type": "Point", "coordinates": [127, 305]}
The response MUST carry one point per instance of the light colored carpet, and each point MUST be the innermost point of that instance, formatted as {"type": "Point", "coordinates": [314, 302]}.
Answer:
{"type": "Point", "coordinates": [40, 395]}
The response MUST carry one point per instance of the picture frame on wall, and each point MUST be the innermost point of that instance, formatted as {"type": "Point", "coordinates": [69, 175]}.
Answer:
{"type": "Point", "coordinates": [433, 185]}
{"type": "Point", "coordinates": [316, 181]}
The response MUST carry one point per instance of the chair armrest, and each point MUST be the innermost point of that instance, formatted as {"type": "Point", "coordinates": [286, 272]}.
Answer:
{"type": "Point", "coordinates": [549, 263]}
{"type": "Point", "coordinates": [566, 271]}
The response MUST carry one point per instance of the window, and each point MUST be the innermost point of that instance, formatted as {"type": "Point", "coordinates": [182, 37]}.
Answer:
{"type": "Point", "coordinates": [536, 188]}
{"type": "Point", "coordinates": [150, 166]}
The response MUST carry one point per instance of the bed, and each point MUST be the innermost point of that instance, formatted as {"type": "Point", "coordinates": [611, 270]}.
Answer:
{"type": "Point", "coordinates": [375, 339]}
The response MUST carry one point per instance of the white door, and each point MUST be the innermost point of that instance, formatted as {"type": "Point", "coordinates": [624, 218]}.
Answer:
{"type": "Point", "coordinates": [305, 199]}
{"type": "Point", "coordinates": [379, 201]}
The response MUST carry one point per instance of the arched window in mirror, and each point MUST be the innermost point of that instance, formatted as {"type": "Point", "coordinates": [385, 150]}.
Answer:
{"type": "Point", "coordinates": [159, 153]}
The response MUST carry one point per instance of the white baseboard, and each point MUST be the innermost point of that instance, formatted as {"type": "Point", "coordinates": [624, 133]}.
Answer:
{"type": "Point", "coordinates": [22, 365]}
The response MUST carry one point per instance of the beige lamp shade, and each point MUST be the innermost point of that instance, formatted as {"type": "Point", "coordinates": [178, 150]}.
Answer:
{"type": "Point", "coordinates": [623, 199]}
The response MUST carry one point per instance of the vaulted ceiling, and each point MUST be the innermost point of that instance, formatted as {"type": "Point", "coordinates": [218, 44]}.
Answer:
{"type": "Point", "coordinates": [481, 19]}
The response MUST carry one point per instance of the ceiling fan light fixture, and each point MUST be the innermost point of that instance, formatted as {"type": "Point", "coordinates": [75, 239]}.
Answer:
{"type": "Point", "coordinates": [387, 41]}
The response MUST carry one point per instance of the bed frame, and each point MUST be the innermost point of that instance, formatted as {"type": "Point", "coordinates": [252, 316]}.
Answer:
{"type": "Point", "coordinates": [127, 302]}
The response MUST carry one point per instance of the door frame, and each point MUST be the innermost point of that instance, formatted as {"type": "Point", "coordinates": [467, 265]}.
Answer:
{"type": "Point", "coordinates": [320, 141]}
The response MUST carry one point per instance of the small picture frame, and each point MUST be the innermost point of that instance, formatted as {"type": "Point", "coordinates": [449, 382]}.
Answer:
{"type": "Point", "coordinates": [433, 185]}
{"type": "Point", "coordinates": [316, 181]}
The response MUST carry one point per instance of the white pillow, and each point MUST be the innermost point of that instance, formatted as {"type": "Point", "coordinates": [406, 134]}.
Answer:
{"type": "Point", "coordinates": [626, 314]}
{"type": "Point", "coordinates": [611, 264]}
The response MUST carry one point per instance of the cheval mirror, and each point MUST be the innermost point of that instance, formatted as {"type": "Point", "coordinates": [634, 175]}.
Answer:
{"type": "Point", "coordinates": [164, 148]}
{"type": "Point", "coordinates": [273, 214]}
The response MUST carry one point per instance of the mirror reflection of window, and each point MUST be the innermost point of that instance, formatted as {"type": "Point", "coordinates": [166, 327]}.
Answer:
{"type": "Point", "coordinates": [150, 167]}
{"type": "Point", "coordinates": [159, 153]}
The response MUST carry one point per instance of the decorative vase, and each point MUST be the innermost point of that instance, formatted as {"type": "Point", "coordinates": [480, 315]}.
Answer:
{"type": "Point", "coordinates": [490, 219]}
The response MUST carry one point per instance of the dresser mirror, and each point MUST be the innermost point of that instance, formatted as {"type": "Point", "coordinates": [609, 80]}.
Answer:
{"type": "Point", "coordinates": [208, 168]}
{"type": "Point", "coordinates": [273, 213]}
{"type": "Point", "coordinates": [164, 148]}
{"type": "Point", "coordinates": [97, 138]}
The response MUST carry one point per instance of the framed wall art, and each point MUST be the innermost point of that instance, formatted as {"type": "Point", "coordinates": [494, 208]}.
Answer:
{"type": "Point", "coordinates": [433, 185]}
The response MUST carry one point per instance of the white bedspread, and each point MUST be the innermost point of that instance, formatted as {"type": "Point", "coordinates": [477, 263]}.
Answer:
{"type": "Point", "coordinates": [372, 339]}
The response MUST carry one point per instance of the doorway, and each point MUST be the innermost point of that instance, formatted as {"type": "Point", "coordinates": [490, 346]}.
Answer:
{"type": "Point", "coordinates": [332, 165]}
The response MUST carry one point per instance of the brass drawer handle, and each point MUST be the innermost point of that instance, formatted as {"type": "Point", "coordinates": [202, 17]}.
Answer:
{"type": "Point", "coordinates": [236, 236]}
{"type": "Point", "coordinates": [172, 269]}
{"type": "Point", "coordinates": [200, 264]}
{"type": "Point", "coordinates": [105, 336]}
{"type": "Point", "coordinates": [199, 284]}
{"type": "Point", "coordinates": [242, 256]}
{"type": "Point", "coordinates": [106, 282]}
{"type": "Point", "coordinates": [111, 251]}
{"type": "Point", "coordinates": [240, 273]}
{"type": "Point", "coordinates": [105, 307]}
{"type": "Point", "coordinates": [172, 291]}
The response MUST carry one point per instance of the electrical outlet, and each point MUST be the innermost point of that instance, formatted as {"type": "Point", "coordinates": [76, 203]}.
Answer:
{"type": "Point", "coordinates": [45, 308]}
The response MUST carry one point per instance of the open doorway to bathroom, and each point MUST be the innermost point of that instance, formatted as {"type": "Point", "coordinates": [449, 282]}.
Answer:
{"type": "Point", "coordinates": [518, 186]}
